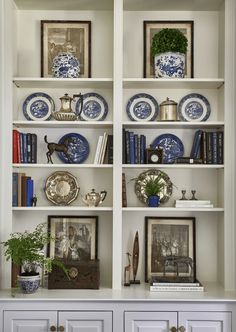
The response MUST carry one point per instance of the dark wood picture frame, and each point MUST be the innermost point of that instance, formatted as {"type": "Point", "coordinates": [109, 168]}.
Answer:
{"type": "Point", "coordinates": [152, 27]}
{"type": "Point", "coordinates": [168, 241]}
{"type": "Point", "coordinates": [76, 237]}
{"type": "Point", "coordinates": [65, 36]}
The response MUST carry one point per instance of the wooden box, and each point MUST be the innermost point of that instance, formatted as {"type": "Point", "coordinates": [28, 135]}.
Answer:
{"type": "Point", "coordinates": [83, 275]}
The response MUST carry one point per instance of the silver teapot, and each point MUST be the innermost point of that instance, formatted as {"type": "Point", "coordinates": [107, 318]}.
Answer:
{"type": "Point", "coordinates": [94, 199]}
{"type": "Point", "coordinates": [66, 113]}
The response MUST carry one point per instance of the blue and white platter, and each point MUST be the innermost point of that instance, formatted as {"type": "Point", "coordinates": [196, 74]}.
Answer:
{"type": "Point", "coordinates": [172, 147]}
{"type": "Point", "coordinates": [194, 107]}
{"type": "Point", "coordinates": [95, 107]}
{"type": "Point", "coordinates": [78, 148]}
{"type": "Point", "coordinates": [142, 107]}
{"type": "Point", "coordinates": [38, 107]}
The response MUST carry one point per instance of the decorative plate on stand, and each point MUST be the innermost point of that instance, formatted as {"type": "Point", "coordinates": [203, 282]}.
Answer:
{"type": "Point", "coordinates": [95, 107]}
{"type": "Point", "coordinates": [38, 107]}
{"type": "Point", "coordinates": [78, 148]}
{"type": "Point", "coordinates": [194, 107]}
{"type": "Point", "coordinates": [142, 107]}
{"type": "Point", "coordinates": [172, 147]}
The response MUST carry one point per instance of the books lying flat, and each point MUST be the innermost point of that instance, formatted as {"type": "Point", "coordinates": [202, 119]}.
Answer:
{"type": "Point", "coordinates": [177, 288]}
{"type": "Point", "coordinates": [193, 204]}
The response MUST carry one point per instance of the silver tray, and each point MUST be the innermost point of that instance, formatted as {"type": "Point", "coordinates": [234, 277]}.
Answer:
{"type": "Point", "coordinates": [145, 176]}
{"type": "Point", "coordinates": [61, 188]}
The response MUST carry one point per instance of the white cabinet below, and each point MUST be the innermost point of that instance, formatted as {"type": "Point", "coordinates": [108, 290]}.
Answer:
{"type": "Point", "coordinates": [178, 321]}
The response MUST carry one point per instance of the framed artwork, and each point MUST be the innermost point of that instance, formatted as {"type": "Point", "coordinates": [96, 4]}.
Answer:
{"type": "Point", "coordinates": [75, 237]}
{"type": "Point", "coordinates": [170, 249]}
{"type": "Point", "coordinates": [151, 28]}
{"type": "Point", "coordinates": [66, 36]}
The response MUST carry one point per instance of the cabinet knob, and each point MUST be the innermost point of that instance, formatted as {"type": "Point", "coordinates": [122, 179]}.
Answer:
{"type": "Point", "coordinates": [181, 329]}
{"type": "Point", "coordinates": [173, 329]}
{"type": "Point", "coordinates": [61, 328]}
{"type": "Point", "coordinates": [53, 328]}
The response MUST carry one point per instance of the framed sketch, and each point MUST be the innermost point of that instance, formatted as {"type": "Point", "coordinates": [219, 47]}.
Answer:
{"type": "Point", "coordinates": [75, 237]}
{"type": "Point", "coordinates": [151, 28]}
{"type": "Point", "coordinates": [170, 249]}
{"type": "Point", "coordinates": [66, 36]}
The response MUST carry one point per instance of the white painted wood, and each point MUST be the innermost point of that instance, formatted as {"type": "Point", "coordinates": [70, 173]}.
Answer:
{"type": "Point", "coordinates": [160, 166]}
{"type": "Point", "coordinates": [205, 321]}
{"type": "Point", "coordinates": [173, 125]}
{"type": "Point", "coordinates": [62, 166]}
{"type": "Point", "coordinates": [171, 209]}
{"type": "Point", "coordinates": [63, 208]}
{"type": "Point", "coordinates": [61, 124]}
{"type": "Point", "coordinates": [84, 321]}
{"type": "Point", "coordinates": [25, 321]}
{"type": "Point", "coordinates": [150, 321]}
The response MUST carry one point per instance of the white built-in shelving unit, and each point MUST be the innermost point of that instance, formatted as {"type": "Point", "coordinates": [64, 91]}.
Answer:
{"type": "Point", "coordinates": [117, 74]}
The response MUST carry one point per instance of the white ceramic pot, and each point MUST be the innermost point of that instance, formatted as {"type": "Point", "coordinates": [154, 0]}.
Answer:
{"type": "Point", "coordinates": [28, 284]}
{"type": "Point", "coordinates": [169, 65]}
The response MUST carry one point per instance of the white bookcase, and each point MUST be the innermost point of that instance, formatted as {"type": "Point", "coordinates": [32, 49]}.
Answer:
{"type": "Point", "coordinates": [117, 74]}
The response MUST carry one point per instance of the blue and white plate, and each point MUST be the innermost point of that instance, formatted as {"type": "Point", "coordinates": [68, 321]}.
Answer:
{"type": "Point", "coordinates": [78, 148]}
{"type": "Point", "coordinates": [172, 147]}
{"type": "Point", "coordinates": [95, 107]}
{"type": "Point", "coordinates": [38, 107]}
{"type": "Point", "coordinates": [142, 107]}
{"type": "Point", "coordinates": [194, 107]}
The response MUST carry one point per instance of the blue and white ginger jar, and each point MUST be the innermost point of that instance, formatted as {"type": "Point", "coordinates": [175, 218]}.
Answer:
{"type": "Point", "coordinates": [170, 65]}
{"type": "Point", "coordinates": [65, 65]}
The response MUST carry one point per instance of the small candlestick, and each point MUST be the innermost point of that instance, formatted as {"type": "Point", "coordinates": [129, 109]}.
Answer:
{"type": "Point", "coordinates": [193, 195]}
{"type": "Point", "coordinates": [183, 198]}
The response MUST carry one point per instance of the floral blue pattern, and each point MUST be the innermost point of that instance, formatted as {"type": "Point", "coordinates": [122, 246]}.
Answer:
{"type": "Point", "coordinates": [95, 107]}
{"type": "Point", "coordinates": [38, 106]}
{"type": "Point", "coordinates": [65, 65]}
{"type": "Point", "coordinates": [172, 147]}
{"type": "Point", "coordinates": [170, 65]}
{"type": "Point", "coordinates": [29, 285]}
{"type": "Point", "coordinates": [194, 107]}
{"type": "Point", "coordinates": [78, 149]}
{"type": "Point", "coordinates": [142, 107]}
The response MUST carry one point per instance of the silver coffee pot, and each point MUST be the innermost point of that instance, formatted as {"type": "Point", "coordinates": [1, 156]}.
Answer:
{"type": "Point", "coordinates": [94, 199]}
{"type": "Point", "coordinates": [66, 113]}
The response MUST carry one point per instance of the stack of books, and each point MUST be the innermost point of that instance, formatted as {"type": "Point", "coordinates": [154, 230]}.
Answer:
{"type": "Point", "coordinates": [159, 286]}
{"type": "Point", "coordinates": [104, 150]}
{"type": "Point", "coordinates": [134, 148]}
{"type": "Point", "coordinates": [24, 147]}
{"type": "Point", "coordinates": [22, 189]}
{"type": "Point", "coordinates": [193, 203]}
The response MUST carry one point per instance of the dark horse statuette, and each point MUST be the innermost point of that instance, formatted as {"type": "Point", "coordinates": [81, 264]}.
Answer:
{"type": "Point", "coordinates": [57, 147]}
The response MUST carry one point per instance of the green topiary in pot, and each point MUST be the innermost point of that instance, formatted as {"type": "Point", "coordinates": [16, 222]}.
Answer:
{"type": "Point", "coordinates": [169, 47]}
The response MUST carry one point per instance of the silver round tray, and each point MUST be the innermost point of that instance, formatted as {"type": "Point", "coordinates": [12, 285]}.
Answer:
{"type": "Point", "coordinates": [61, 188]}
{"type": "Point", "coordinates": [144, 177]}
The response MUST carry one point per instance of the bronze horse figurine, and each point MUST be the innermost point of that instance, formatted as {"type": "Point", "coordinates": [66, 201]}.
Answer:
{"type": "Point", "coordinates": [57, 147]}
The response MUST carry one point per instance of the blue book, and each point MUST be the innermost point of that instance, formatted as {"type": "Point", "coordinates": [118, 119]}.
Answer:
{"type": "Point", "coordinates": [136, 149]}
{"type": "Point", "coordinates": [29, 192]}
{"type": "Point", "coordinates": [214, 148]}
{"type": "Point", "coordinates": [142, 149]}
{"type": "Point", "coordinates": [131, 146]}
{"type": "Point", "coordinates": [196, 144]}
{"type": "Point", "coordinates": [220, 147]}
{"type": "Point", "coordinates": [209, 147]}
{"type": "Point", "coordinates": [14, 189]}
{"type": "Point", "coordinates": [21, 149]}
{"type": "Point", "coordinates": [127, 147]}
{"type": "Point", "coordinates": [24, 148]}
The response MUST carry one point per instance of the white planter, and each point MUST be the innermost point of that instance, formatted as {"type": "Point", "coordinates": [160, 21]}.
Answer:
{"type": "Point", "coordinates": [169, 65]}
{"type": "Point", "coordinates": [28, 284]}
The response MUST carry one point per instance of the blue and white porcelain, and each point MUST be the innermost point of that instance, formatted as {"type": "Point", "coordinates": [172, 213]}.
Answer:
{"type": "Point", "coordinates": [95, 107]}
{"type": "Point", "coordinates": [194, 107]}
{"type": "Point", "coordinates": [78, 149]}
{"type": "Point", "coordinates": [169, 65]}
{"type": "Point", "coordinates": [172, 147]}
{"type": "Point", "coordinates": [142, 107]}
{"type": "Point", "coordinates": [29, 284]}
{"type": "Point", "coordinates": [65, 65]}
{"type": "Point", "coordinates": [38, 107]}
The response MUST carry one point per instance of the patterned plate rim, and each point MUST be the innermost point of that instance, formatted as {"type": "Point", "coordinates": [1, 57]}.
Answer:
{"type": "Point", "coordinates": [202, 98]}
{"type": "Point", "coordinates": [144, 96]}
{"type": "Point", "coordinates": [176, 138]}
{"type": "Point", "coordinates": [98, 96]}
{"type": "Point", "coordinates": [34, 95]}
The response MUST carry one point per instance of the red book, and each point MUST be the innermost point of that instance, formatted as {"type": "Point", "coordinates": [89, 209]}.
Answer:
{"type": "Point", "coordinates": [16, 144]}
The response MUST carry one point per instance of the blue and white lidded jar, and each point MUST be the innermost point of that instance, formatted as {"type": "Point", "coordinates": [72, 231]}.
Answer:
{"type": "Point", "coordinates": [65, 65]}
{"type": "Point", "coordinates": [170, 64]}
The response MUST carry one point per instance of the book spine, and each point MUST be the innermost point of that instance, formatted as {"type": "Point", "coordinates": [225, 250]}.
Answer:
{"type": "Point", "coordinates": [14, 189]}
{"type": "Point", "coordinates": [124, 156]}
{"type": "Point", "coordinates": [142, 149]}
{"type": "Point", "coordinates": [174, 284]}
{"type": "Point", "coordinates": [24, 190]}
{"type": "Point", "coordinates": [196, 144]}
{"type": "Point", "coordinates": [29, 191]}
{"type": "Point", "coordinates": [209, 147]}
{"type": "Point", "coordinates": [104, 145]}
{"type": "Point", "coordinates": [220, 147]}
{"type": "Point", "coordinates": [21, 149]}
{"type": "Point", "coordinates": [98, 149]}
{"type": "Point", "coordinates": [185, 160]}
{"type": "Point", "coordinates": [110, 149]}
{"type": "Point", "coordinates": [139, 150]}
{"type": "Point", "coordinates": [136, 149]}
{"type": "Point", "coordinates": [124, 195]}
{"type": "Point", "coordinates": [18, 147]}
{"type": "Point", "coordinates": [127, 134]}
{"type": "Point", "coordinates": [203, 151]}
{"type": "Point", "coordinates": [28, 140]}
{"type": "Point", "coordinates": [176, 289]}
{"type": "Point", "coordinates": [131, 144]}
{"type": "Point", "coordinates": [15, 159]}
{"type": "Point", "coordinates": [34, 148]}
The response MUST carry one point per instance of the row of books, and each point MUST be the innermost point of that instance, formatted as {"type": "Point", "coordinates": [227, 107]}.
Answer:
{"type": "Point", "coordinates": [208, 147]}
{"type": "Point", "coordinates": [193, 203]}
{"type": "Point", "coordinates": [196, 286]}
{"type": "Point", "coordinates": [24, 147]}
{"type": "Point", "coordinates": [104, 150]}
{"type": "Point", "coordinates": [22, 189]}
{"type": "Point", "coordinates": [134, 148]}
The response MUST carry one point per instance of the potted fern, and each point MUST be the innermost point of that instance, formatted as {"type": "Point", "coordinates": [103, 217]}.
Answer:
{"type": "Point", "coordinates": [153, 188]}
{"type": "Point", "coordinates": [26, 250]}
{"type": "Point", "coordinates": [169, 47]}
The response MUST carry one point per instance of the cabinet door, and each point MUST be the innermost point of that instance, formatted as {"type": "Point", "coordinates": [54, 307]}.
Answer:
{"type": "Point", "coordinates": [205, 321]}
{"type": "Point", "coordinates": [150, 321]}
{"type": "Point", "coordinates": [29, 321]}
{"type": "Point", "coordinates": [86, 321]}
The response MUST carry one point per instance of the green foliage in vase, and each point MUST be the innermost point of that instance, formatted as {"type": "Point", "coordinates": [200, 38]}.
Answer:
{"type": "Point", "coordinates": [27, 250]}
{"type": "Point", "coordinates": [154, 186]}
{"type": "Point", "coordinates": [169, 40]}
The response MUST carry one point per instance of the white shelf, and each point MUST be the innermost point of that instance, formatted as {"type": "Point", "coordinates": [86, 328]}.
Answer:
{"type": "Point", "coordinates": [62, 165]}
{"type": "Point", "coordinates": [62, 124]}
{"type": "Point", "coordinates": [62, 208]}
{"type": "Point", "coordinates": [195, 166]}
{"type": "Point", "coordinates": [65, 5]}
{"type": "Point", "coordinates": [170, 209]}
{"type": "Point", "coordinates": [38, 82]}
{"type": "Point", "coordinates": [173, 83]}
{"type": "Point", "coordinates": [173, 124]}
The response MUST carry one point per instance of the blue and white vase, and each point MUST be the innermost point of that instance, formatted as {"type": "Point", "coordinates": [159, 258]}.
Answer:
{"type": "Point", "coordinates": [28, 284]}
{"type": "Point", "coordinates": [169, 65]}
{"type": "Point", "coordinates": [153, 201]}
{"type": "Point", "coordinates": [65, 65]}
